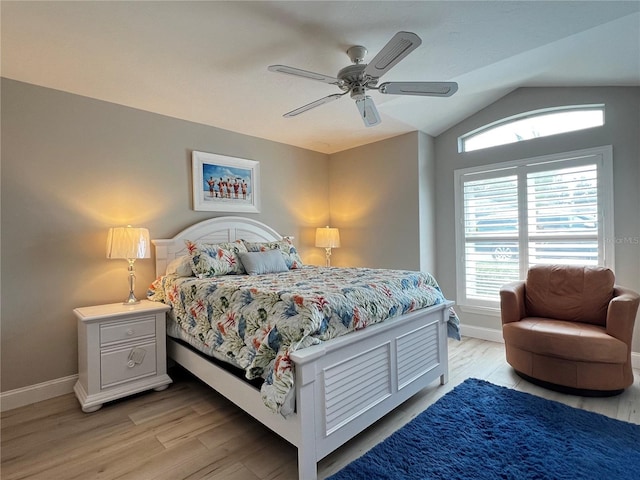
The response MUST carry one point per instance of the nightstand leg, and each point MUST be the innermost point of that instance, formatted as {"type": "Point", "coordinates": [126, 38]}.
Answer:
{"type": "Point", "coordinates": [161, 388]}
{"type": "Point", "coordinates": [92, 409]}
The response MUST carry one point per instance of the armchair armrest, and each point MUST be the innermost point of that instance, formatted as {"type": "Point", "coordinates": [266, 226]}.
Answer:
{"type": "Point", "coordinates": [512, 302]}
{"type": "Point", "coordinates": [621, 314]}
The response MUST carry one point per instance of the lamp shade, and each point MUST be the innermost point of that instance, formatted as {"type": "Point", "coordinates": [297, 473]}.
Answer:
{"type": "Point", "coordinates": [128, 242]}
{"type": "Point", "coordinates": [327, 237]}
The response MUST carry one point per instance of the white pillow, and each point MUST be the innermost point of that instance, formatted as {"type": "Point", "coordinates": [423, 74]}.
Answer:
{"type": "Point", "coordinates": [259, 263]}
{"type": "Point", "coordinates": [180, 266]}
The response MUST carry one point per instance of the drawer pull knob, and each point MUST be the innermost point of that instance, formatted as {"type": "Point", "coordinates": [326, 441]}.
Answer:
{"type": "Point", "coordinates": [136, 356]}
{"type": "Point", "coordinates": [130, 332]}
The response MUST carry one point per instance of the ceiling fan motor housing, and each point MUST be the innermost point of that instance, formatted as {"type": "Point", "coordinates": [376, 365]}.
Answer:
{"type": "Point", "coordinates": [353, 75]}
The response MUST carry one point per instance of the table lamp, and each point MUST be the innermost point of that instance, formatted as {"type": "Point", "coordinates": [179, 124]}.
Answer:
{"type": "Point", "coordinates": [129, 243]}
{"type": "Point", "coordinates": [328, 238]}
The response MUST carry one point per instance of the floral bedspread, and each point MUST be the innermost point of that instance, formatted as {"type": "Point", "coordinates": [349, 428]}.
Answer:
{"type": "Point", "coordinates": [257, 321]}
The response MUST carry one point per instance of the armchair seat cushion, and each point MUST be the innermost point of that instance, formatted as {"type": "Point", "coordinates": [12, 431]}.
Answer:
{"type": "Point", "coordinates": [575, 341]}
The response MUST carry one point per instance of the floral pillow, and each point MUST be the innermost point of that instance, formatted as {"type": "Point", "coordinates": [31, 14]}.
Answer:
{"type": "Point", "coordinates": [211, 260]}
{"type": "Point", "coordinates": [289, 252]}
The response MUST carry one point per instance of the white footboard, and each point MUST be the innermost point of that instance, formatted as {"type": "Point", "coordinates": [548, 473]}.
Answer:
{"type": "Point", "coordinates": [347, 384]}
{"type": "Point", "coordinates": [344, 385]}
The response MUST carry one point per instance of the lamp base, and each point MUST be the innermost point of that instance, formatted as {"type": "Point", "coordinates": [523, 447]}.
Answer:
{"type": "Point", "coordinates": [131, 300]}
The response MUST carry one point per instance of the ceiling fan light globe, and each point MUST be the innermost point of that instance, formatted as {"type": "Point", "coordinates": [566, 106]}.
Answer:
{"type": "Point", "coordinates": [358, 92]}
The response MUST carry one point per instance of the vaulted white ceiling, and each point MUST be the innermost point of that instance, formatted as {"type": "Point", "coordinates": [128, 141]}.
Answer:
{"type": "Point", "coordinates": [207, 61]}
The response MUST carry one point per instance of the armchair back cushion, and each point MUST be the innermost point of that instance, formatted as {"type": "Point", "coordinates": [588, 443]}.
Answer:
{"type": "Point", "coordinates": [576, 294]}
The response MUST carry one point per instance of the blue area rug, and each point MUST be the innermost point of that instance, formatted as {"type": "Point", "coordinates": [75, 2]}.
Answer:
{"type": "Point", "coordinates": [483, 431]}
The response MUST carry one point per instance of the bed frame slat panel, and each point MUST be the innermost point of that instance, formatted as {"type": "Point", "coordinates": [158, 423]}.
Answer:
{"type": "Point", "coordinates": [418, 352]}
{"type": "Point", "coordinates": [344, 396]}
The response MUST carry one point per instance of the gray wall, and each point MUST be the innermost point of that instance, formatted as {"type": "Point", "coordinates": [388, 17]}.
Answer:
{"type": "Point", "coordinates": [379, 204]}
{"type": "Point", "coordinates": [71, 168]}
{"type": "Point", "coordinates": [621, 129]}
{"type": "Point", "coordinates": [427, 199]}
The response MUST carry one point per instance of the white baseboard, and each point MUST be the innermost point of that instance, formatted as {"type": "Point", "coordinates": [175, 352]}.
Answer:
{"type": "Point", "coordinates": [36, 393]}
{"type": "Point", "coordinates": [482, 333]}
{"type": "Point", "coordinates": [493, 335]}
{"type": "Point", "coordinates": [61, 386]}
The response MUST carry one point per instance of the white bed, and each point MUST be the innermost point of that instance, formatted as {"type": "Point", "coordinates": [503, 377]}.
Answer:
{"type": "Point", "coordinates": [410, 353]}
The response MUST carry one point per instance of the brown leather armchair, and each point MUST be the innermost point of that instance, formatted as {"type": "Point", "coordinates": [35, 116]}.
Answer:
{"type": "Point", "coordinates": [570, 328]}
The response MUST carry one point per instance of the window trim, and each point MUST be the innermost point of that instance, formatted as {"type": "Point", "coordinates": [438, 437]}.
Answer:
{"type": "Point", "coordinates": [525, 115]}
{"type": "Point", "coordinates": [604, 161]}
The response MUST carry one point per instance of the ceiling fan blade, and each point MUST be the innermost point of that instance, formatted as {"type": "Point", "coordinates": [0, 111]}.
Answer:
{"type": "Point", "coordinates": [305, 74]}
{"type": "Point", "coordinates": [428, 89]}
{"type": "Point", "coordinates": [368, 111]}
{"type": "Point", "coordinates": [401, 45]}
{"type": "Point", "coordinates": [315, 104]}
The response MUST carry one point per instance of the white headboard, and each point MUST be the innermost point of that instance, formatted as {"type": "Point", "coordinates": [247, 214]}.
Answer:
{"type": "Point", "coordinates": [213, 230]}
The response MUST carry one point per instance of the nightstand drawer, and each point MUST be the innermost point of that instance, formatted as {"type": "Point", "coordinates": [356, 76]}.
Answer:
{"type": "Point", "coordinates": [118, 332]}
{"type": "Point", "coordinates": [120, 365]}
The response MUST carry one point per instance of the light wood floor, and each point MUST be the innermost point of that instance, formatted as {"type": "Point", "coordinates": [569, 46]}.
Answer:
{"type": "Point", "coordinates": [190, 432]}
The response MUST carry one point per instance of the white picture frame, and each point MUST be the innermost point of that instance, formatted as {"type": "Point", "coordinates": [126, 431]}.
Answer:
{"type": "Point", "coordinates": [225, 184]}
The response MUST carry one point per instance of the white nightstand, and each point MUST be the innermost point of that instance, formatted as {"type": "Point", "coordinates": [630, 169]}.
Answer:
{"type": "Point", "coordinates": [121, 351]}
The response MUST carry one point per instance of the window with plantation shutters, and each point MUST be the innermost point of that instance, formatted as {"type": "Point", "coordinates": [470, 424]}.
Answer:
{"type": "Point", "coordinates": [547, 210]}
{"type": "Point", "coordinates": [491, 233]}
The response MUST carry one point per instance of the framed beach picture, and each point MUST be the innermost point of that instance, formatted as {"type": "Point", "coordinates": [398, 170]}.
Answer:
{"type": "Point", "coordinates": [225, 184]}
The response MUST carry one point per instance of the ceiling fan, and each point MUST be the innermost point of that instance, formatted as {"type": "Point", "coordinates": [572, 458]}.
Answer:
{"type": "Point", "coordinates": [356, 79]}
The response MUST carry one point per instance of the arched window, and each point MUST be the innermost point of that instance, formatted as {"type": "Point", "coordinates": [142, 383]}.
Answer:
{"type": "Point", "coordinates": [534, 124]}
